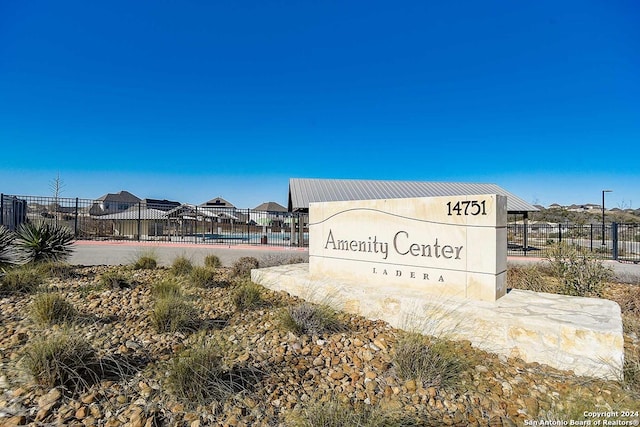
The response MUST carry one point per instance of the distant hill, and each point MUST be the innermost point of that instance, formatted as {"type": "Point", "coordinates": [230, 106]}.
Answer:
{"type": "Point", "coordinates": [581, 214]}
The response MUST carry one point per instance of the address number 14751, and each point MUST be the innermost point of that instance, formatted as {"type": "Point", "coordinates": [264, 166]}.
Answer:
{"type": "Point", "coordinates": [467, 207]}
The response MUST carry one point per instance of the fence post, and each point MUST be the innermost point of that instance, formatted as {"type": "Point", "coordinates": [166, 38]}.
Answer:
{"type": "Point", "coordinates": [525, 236]}
{"type": "Point", "coordinates": [614, 239]}
{"type": "Point", "coordinates": [559, 232]}
{"type": "Point", "coordinates": [591, 235]}
{"type": "Point", "coordinates": [75, 221]}
{"type": "Point", "coordinates": [1, 208]}
{"type": "Point", "coordinates": [248, 221]}
{"type": "Point", "coordinates": [139, 220]}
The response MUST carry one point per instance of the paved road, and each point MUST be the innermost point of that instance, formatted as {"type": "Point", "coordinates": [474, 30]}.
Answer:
{"type": "Point", "coordinates": [121, 253]}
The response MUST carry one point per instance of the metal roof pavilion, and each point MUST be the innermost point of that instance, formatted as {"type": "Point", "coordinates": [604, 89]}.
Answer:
{"type": "Point", "coordinates": [303, 191]}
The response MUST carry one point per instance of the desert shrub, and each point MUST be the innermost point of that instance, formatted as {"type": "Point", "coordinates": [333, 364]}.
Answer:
{"type": "Point", "coordinates": [167, 288]}
{"type": "Point", "coordinates": [579, 273]}
{"type": "Point", "coordinates": [63, 360]}
{"type": "Point", "coordinates": [115, 279]}
{"type": "Point", "coordinates": [51, 308]}
{"type": "Point", "coordinates": [145, 262]}
{"type": "Point", "coordinates": [44, 242]}
{"type": "Point", "coordinates": [7, 253]}
{"type": "Point", "coordinates": [203, 277]}
{"type": "Point", "coordinates": [530, 278]}
{"type": "Point", "coordinates": [297, 260]}
{"type": "Point", "coordinates": [212, 261]}
{"type": "Point", "coordinates": [197, 376]}
{"type": "Point", "coordinates": [181, 266]}
{"type": "Point", "coordinates": [242, 267]}
{"type": "Point", "coordinates": [22, 280]}
{"type": "Point", "coordinates": [247, 295]}
{"type": "Point", "coordinates": [171, 314]}
{"type": "Point", "coordinates": [307, 318]}
{"type": "Point", "coordinates": [433, 362]}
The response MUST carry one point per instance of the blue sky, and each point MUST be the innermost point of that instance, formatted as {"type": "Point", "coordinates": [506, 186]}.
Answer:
{"type": "Point", "coordinates": [191, 100]}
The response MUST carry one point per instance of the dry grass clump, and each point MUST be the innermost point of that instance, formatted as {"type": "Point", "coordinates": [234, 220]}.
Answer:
{"type": "Point", "coordinates": [432, 362]}
{"type": "Point", "coordinates": [21, 280]}
{"type": "Point", "coordinates": [181, 266]}
{"type": "Point", "coordinates": [247, 295]}
{"type": "Point", "coordinates": [57, 269]}
{"type": "Point", "coordinates": [204, 277]}
{"type": "Point", "coordinates": [146, 262]}
{"type": "Point", "coordinates": [336, 412]}
{"type": "Point", "coordinates": [212, 261]}
{"type": "Point", "coordinates": [242, 267]}
{"type": "Point", "coordinates": [114, 279]}
{"type": "Point", "coordinates": [172, 314]}
{"type": "Point", "coordinates": [530, 278]}
{"type": "Point", "coordinates": [312, 319]}
{"type": "Point", "coordinates": [63, 360]}
{"type": "Point", "coordinates": [198, 377]}
{"type": "Point", "coordinates": [167, 288]}
{"type": "Point", "coordinates": [51, 308]}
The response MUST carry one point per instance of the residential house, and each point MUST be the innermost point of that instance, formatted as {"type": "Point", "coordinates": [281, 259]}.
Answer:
{"type": "Point", "coordinates": [112, 203]}
{"type": "Point", "coordinates": [271, 214]}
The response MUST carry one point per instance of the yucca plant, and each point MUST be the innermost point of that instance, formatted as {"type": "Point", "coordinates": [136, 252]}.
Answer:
{"type": "Point", "coordinates": [7, 253]}
{"type": "Point", "coordinates": [44, 242]}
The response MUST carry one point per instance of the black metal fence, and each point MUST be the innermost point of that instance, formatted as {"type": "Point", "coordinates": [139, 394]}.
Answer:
{"type": "Point", "coordinates": [158, 221]}
{"type": "Point", "coordinates": [615, 241]}
{"type": "Point", "coordinates": [170, 222]}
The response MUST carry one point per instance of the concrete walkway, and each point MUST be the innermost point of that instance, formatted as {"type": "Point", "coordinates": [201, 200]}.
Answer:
{"type": "Point", "coordinates": [122, 253]}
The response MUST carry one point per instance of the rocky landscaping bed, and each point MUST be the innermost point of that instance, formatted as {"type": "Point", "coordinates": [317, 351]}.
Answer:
{"type": "Point", "coordinates": [199, 346]}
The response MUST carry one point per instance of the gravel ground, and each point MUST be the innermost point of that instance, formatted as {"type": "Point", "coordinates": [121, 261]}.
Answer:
{"type": "Point", "coordinates": [290, 372]}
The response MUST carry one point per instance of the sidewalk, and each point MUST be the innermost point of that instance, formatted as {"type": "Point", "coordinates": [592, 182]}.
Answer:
{"type": "Point", "coordinates": [121, 253]}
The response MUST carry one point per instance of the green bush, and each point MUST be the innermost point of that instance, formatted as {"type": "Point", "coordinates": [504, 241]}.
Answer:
{"type": "Point", "coordinates": [63, 360]}
{"type": "Point", "coordinates": [212, 261]}
{"type": "Point", "coordinates": [247, 295]}
{"type": "Point", "coordinates": [145, 262]}
{"type": "Point", "coordinates": [44, 242]}
{"type": "Point", "coordinates": [242, 267]}
{"type": "Point", "coordinates": [172, 314]}
{"type": "Point", "coordinates": [579, 273]}
{"type": "Point", "coordinates": [433, 362]}
{"type": "Point", "coordinates": [51, 308]}
{"type": "Point", "coordinates": [181, 266]}
{"type": "Point", "coordinates": [307, 318]}
{"type": "Point", "coordinates": [24, 279]}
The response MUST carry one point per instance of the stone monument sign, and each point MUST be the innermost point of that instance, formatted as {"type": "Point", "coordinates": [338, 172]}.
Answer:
{"type": "Point", "coordinates": [449, 246]}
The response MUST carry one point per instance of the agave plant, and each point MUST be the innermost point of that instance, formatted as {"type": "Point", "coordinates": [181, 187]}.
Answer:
{"type": "Point", "coordinates": [7, 252]}
{"type": "Point", "coordinates": [44, 242]}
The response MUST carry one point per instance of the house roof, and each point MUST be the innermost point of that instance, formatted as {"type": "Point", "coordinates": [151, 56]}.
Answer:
{"type": "Point", "coordinates": [122, 196]}
{"type": "Point", "coordinates": [270, 207]}
{"type": "Point", "coordinates": [217, 202]}
{"type": "Point", "coordinates": [164, 205]}
{"type": "Point", "coordinates": [135, 214]}
{"type": "Point", "coordinates": [303, 191]}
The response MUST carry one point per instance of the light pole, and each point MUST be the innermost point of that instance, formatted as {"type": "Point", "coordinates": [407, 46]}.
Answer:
{"type": "Point", "coordinates": [604, 191]}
